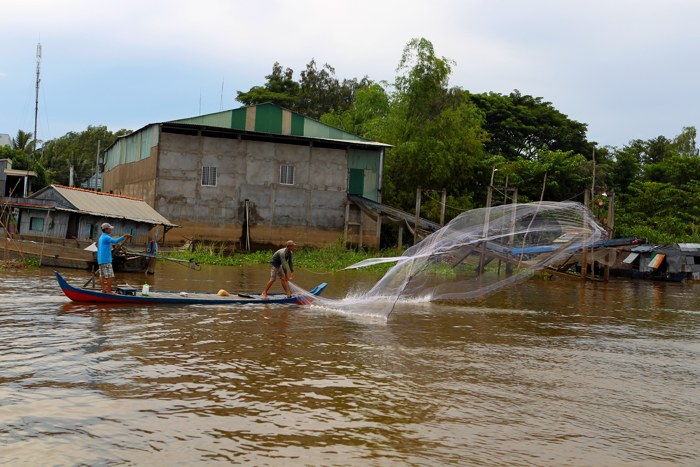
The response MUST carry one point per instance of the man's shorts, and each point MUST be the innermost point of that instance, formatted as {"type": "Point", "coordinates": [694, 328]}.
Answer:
{"type": "Point", "coordinates": [277, 272]}
{"type": "Point", "coordinates": [106, 271]}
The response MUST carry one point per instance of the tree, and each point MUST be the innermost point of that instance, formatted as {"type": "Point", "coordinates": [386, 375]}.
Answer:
{"type": "Point", "coordinates": [567, 176]}
{"type": "Point", "coordinates": [626, 168]}
{"type": "Point", "coordinates": [365, 114]}
{"type": "Point", "coordinates": [77, 149]}
{"type": "Point", "coordinates": [659, 192]}
{"type": "Point", "coordinates": [318, 91]}
{"type": "Point", "coordinates": [19, 159]}
{"type": "Point", "coordinates": [684, 143]}
{"type": "Point", "coordinates": [22, 140]}
{"type": "Point", "coordinates": [280, 89]}
{"type": "Point", "coordinates": [436, 132]}
{"type": "Point", "coordinates": [520, 126]}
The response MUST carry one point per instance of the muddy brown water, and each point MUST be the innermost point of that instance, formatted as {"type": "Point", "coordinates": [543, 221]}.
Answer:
{"type": "Point", "coordinates": [548, 373]}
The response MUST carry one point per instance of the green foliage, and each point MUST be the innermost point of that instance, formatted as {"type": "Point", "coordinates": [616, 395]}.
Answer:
{"type": "Point", "coordinates": [658, 195]}
{"type": "Point", "coordinates": [78, 149]}
{"type": "Point", "coordinates": [660, 211]}
{"type": "Point", "coordinates": [567, 175]}
{"type": "Point", "coordinates": [22, 141]}
{"type": "Point", "coordinates": [20, 160]}
{"type": "Point", "coordinates": [318, 91]}
{"type": "Point", "coordinates": [435, 132]}
{"type": "Point", "coordinates": [24, 263]}
{"type": "Point", "coordinates": [685, 143]}
{"type": "Point", "coordinates": [280, 89]}
{"type": "Point", "coordinates": [365, 115]}
{"type": "Point", "coordinates": [333, 257]}
{"type": "Point", "coordinates": [519, 126]}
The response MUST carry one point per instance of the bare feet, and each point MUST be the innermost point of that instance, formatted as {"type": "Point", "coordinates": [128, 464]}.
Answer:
{"type": "Point", "coordinates": [263, 295]}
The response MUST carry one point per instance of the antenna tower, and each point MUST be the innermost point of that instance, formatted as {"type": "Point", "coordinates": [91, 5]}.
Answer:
{"type": "Point", "coordinates": [36, 103]}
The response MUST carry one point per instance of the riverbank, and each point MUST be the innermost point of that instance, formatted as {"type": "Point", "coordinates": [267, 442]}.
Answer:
{"type": "Point", "coordinates": [15, 264]}
{"type": "Point", "coordinates": [331, 258]}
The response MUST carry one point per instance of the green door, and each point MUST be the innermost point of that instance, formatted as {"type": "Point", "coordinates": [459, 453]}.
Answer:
{"type": "Point", "coordinates": [357, 182]}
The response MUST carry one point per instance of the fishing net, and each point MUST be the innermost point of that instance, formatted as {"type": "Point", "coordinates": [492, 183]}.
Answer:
{"type": "Point", "coordinates": [477, 253]}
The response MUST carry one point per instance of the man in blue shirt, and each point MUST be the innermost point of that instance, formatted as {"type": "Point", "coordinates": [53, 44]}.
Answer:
{"type": "Point", "coordinates": [278, 269]}
{"type": "Point", "coordinates": [104, 256]}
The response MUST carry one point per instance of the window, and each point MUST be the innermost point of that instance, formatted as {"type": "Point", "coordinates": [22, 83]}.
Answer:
{"type": "Point", "coordinates": [36, 224]}
{"type": "Point", "coordinates": [287, 174]}
{"type": "Point", "coordinates": [208, 176]}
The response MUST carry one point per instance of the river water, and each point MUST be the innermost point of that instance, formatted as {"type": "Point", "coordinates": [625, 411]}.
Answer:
{"type": "Point", "coordinates": [549, 373]}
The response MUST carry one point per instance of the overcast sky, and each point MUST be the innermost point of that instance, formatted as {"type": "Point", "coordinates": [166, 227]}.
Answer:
{"type": "Point", "coordinates": [627, 68]}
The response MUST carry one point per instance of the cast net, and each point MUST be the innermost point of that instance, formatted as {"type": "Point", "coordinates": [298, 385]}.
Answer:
{"type": "Point", "coordinates": [479, 252]}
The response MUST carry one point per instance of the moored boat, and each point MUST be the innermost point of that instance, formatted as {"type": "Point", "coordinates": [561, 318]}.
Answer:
{"type": "Point", "coordinates": [70, 254]}
{"type": "Point", "coordinates": [131, 295]}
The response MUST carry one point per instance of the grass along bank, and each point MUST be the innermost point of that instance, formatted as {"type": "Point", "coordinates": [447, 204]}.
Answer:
{"type": "Point", "coordinates": [331, 258]}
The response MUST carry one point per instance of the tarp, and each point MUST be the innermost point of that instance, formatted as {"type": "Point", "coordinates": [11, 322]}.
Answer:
{"type": "Point", "coordinates": [656, 260]}
{"type": "Point", "coordinates": [630, 259]}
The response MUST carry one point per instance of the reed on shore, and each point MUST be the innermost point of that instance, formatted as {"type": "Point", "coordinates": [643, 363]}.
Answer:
{"type": "Point", "coordinates": [333, 257]}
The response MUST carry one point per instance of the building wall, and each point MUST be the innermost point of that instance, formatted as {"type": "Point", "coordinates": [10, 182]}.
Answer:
{"type": "Point", "coordinates": [311, 210]}
{"type": "Point", "coordinates": [136, 179]}
{"type": "Point", "coordinates": [55, 226]}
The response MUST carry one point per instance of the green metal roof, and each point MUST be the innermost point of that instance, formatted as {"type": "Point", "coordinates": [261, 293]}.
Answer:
{"type": "Point", "coordinates": [270, 118]}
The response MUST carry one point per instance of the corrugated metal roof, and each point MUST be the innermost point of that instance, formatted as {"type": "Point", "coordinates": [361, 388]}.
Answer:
{"type": "Point", "coordinates": [644, 248]}
{"type": "Point", "coordinates": [689, 246]}
{"type": "Point", "coordinates": [108, 205]}
{"type": "Point", "coordinates": [272, 118]}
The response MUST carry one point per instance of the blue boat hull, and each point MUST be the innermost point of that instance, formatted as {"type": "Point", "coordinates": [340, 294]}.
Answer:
{"type": "Point", "coordinates": [81, 294]}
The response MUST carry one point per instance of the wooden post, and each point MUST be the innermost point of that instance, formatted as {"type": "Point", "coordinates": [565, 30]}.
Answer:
{"type": "Point", "coordinates": [611, 259]}
{"type": "Point", "coordinates": [347, 221]}
{"type": "Point", "coordinates": [509, 266]}
{"type": "Point", "coordinates": [584, 251]}
{"type": "Point", "coordinates": [359, 245]}
{"type": "Point", "coordinates": [611, 213]}
{"type": "Point", "coordinates": [415, 229]}
{"type": "Point", "coordinates": [247, 225]}
{"type": "Point", "coordinates": [400, 242]}
{"type": "Point", "coordinates": [443, 201]}
{"type": "Point", "coordinates": [487, 219]}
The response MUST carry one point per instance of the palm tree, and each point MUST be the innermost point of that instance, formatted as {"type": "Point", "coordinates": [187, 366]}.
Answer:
{"type": "Point", "coordinates": [22, 140]}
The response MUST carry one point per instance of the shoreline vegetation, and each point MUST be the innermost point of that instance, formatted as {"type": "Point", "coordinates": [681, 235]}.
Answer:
{"type": "Point", "coordinates": [331, 258]}
{"type": "Point", "coordinates": [15, 264]}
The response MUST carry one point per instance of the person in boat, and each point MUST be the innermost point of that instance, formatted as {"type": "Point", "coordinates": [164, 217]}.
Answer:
{"type": "Point", "coordinates": [104, 256]}
{"type": "Point", "coordinates": [278, 268]}
{"type": "Point", "coordinates": [152, 250]}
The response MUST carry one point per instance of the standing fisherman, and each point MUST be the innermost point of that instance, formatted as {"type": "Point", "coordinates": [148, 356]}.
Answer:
{"type": "Point", "coordinates": [104, 256]}
{"type": "Point", "coordinates": [278, 269]}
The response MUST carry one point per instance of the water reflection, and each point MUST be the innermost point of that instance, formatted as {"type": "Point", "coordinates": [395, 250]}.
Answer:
{"type": "Point", "coordinates": [548, 373]}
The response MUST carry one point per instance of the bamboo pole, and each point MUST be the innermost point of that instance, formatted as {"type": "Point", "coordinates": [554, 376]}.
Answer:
{"type": "Point", "coordinates": [415, 229]}
{"type": "Point", "coordinates": [584, 250]}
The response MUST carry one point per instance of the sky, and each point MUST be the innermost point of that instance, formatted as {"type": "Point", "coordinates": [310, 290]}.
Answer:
{"type": "Point", "coordinates": [628, 69]}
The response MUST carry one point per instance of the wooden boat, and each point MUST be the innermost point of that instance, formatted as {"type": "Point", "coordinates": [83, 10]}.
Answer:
{"type": "Point", "coordinates": [70, 254]}
{"type": "Point", "coordinates": [130, 295]}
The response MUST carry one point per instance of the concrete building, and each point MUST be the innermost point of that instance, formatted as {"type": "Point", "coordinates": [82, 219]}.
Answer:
{"type": "Point", "coordinates": [256, 175]}
{"type": "Point", "coordinates": [14, 182]}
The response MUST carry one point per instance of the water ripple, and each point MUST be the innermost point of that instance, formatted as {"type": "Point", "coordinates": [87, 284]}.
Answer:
{"type": "Point", "coordinates": [529, 377]}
